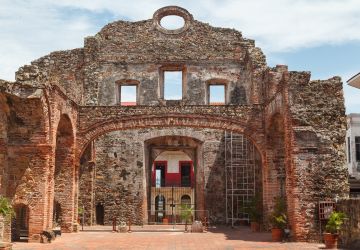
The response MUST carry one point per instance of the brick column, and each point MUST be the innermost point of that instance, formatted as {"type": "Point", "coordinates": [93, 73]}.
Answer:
{"type": "Point", "coordinates": [65, 187]}
{"type": "Point", "coordinates": [87, 191]}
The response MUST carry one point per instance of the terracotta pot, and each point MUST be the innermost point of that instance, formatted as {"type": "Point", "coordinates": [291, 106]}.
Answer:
{"type": "Point", "coordinates": [331, 240]}
{"type": "Point", "coordinates": [255, 226]}
{"type": "Point", "coordinates": [1, 227]}
{"type": "Point", "coordinates": [276, 234]}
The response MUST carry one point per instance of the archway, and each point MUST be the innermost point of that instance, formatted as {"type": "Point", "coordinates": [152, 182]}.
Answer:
{"type": "Point", "coordinates": [160, 209]}
{"type": "Point", "coordinates": [243, 177]}
{"type": "Point", "coordinates": [124, 167]}
{"type": "Point", "coordinates": [92, 129]}
{"type": "Point", "coordinates": [173, 166]}
{"type": "Point", "coordinates": [20, 223]}
{"type": "Point", "coordinates": [57, 214]}
{"type": "Point", "coordinates": [64, 174]}
{"type": "Point", "coordinates": [185, 200]}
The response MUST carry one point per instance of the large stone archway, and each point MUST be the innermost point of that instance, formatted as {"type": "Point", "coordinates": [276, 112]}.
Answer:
{"type": "Point", "coordinates": [243, 119]}
{"type": "Point", "coordinates": [195, 127]}
{"type": "Point", "coordinates": [173, 152]}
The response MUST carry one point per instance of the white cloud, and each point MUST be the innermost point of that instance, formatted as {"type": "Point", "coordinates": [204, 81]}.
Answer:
{"type": "Point", "coordinates": [30, 29]}
{"type": "Point", "coordinates": [277, 24]}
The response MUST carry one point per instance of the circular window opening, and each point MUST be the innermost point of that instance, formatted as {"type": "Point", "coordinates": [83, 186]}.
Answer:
{"type": "Point", "coordinates": [172, 22]}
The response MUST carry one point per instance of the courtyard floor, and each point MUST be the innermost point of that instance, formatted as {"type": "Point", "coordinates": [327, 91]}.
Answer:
{"type": "Point", "coordinates": [165, 238]}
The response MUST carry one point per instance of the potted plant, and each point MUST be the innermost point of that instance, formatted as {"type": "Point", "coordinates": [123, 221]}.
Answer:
{"type": "Point", "coordinates": [186, 214]}
{"type": "Point", "coordinates": [332, 228]}
{"type": "Point", "coordinates": [278, 219]}
{"type": "Point", "coordinates": [6, 211]}
{"type": "Point", "coordinates": [253, 209]}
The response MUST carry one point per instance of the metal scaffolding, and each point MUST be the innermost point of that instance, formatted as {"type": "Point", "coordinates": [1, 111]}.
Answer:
{"type": "Point", "coordinates": [239, 175]}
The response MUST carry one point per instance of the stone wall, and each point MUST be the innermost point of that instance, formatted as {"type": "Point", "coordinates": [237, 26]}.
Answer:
{"type": "Point", "coordinates": [318, 124]}
{"type": "Point", "coordinates": [121, 172]}
{"type": "Point", "coordinates": [130, 50]}
{"type": "Point", "coordinates": [61, 68]}
{"type": "Point", "coordinates": [350, 233]}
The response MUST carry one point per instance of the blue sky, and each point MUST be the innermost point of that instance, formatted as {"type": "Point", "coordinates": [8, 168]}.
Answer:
{"type": "Point", "coordinates": [321, 36]}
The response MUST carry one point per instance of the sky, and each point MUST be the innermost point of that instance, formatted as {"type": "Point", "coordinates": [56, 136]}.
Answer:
{"type": "Point", "coordinates": [321, 36]}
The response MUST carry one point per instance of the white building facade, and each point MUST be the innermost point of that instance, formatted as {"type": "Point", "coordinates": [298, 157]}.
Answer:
{"type": "Point", "coordinates": [353, 144]}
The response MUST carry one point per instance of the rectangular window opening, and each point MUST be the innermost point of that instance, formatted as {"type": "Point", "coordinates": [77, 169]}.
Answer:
{"type": "Point", "coordinates": [173, 85]}
{"type": "Point", "coordinates": [128, 95]}
{"type": "Point", "coordinates": [185, 174]}
{"type": "Point", "coordinates": [357, 148]}
{"type": "Point", "coordinates": [217, 94]}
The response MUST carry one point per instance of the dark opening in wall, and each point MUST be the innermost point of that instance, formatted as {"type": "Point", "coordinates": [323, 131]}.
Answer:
{"type": "Point", "coordinates": [173, 85]}
{"type": "Point", "coordinates": [20, 223]}
{"type": "Point", "coordinates": [99, 214]}
{"type": "Point", "coordinates": [57, 213]}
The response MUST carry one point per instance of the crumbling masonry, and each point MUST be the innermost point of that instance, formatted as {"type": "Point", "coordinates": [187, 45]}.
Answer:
{"type": "Point", "coordinates": [65, 138]}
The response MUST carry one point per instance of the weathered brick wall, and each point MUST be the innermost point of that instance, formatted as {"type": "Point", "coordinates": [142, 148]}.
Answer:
{"type": "Point", "coordinates": [298, 125]}
{"type": "Point", "coordinates": [137, 44]}
{"type": "Point", "coordinates": [61, 68]}
{"type": "Point", "coordinates": [33, 115]}
{"type": "Point", "coordinates": [274, 169]}
{"type": "Point", "coordinates": [3, 145]}
{"type": "Point", "coordinates": [350, 233]}
{"type": "Point", "coordinates": [317, 168]}
{"type": "Point", "coordinates": [64, 173]}
{"type": "Point", "coordinates": [195, 89]}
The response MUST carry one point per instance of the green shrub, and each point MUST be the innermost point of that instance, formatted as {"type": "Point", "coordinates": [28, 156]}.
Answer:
{"type": "Point", "coordinates": [5, 207]}
{"type": "Point", "coordinates": [278, 218]}
{"type": "Point", "coordinates": [335, 222]}
{"type": "Point", "coordinates": [186, 212]}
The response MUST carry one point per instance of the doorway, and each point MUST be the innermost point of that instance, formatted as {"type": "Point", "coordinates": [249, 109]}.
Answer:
{"type": "Point", "coordinates": [99, 214]}
{"type": "Point", "coordinates": [160, 212]}
{"type": "Point", "coordinates": [20, 223]}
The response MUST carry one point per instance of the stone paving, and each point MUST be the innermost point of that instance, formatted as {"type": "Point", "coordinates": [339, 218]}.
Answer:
{"type": "Point", "coordinates": [216, 238]}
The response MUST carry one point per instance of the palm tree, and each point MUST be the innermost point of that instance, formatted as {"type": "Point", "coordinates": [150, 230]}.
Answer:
{"type": "Point", "coordinates": [186, 214]}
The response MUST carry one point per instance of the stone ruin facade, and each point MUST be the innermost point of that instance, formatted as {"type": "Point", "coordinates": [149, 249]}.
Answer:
{"type": "Point", "coordinates": [66, 140]}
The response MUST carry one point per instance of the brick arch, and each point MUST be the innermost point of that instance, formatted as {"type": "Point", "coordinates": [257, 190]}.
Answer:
{"type": "Point", "coordinates": [138, 122]}
{"type": "Point", "coordinates": [64, 172]}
